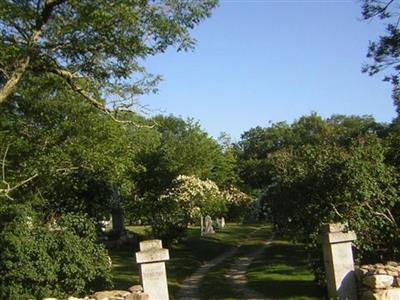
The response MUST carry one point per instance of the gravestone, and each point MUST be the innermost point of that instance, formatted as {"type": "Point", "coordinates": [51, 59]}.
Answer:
{"type": "Point", "coordinates": [218, 221]}
{"type": "Point", "coordinates": [222, 223]}
{"type": "Point", "coordinates": [201, 226]}
{"type": "Point", "coordinates": [209, 228]}
{"type": "Point", "coordinates": [151, 260]}
{"type": "Point", "coordinates": [338, 260]}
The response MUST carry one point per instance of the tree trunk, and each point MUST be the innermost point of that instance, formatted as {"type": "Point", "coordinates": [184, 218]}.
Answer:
{"type": "Point", "coordinates": [118, 226]}
{"type": "Point", "coordinates": [12, 82]}
{"type": "Point", "coordinates": [16, 76]}
{"type": "Point", "coordinates": [117, 213]}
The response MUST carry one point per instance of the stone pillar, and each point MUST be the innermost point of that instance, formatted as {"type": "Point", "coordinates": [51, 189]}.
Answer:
{"type": "Point", "coordinates": [151, 260]}
{"type": "Point", "coordinates": [338, 260]}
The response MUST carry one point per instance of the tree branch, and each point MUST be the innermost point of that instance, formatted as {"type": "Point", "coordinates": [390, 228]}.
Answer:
{"type": "Point", "coordinates": [6, 192]}
{"type": "Point", "coordinates": [389, 218]}
{"type": "Point", "coordinates": [71, 81]}
{"type": "Point", "coordinates": [336, 211]}
{"type": "Point", "coordinates": [23, 63]}
{"type": "Point", "coordinates": [4, 73]}
{"type": "Point", "coordinates": [380, 10]}
{"type": "Point", "coordinates": [3, 164]}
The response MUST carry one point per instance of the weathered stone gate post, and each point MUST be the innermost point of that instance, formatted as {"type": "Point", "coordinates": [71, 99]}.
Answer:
{"type": "Point", "coordinates": [338, 260]}
{"type": "Point", "coordinates": [151, 259]}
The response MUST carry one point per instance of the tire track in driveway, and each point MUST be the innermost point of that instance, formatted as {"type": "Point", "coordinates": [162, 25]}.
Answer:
{"type": "Point", "coordinates": [238, 272]}
{"type": "Point", "coordinates": [190, 286]}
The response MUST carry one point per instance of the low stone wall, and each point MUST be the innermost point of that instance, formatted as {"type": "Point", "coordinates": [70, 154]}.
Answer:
{"type": "Point", "coordinates": [379, 281]}
{"type": "Point", "coordinates": [135, 293]}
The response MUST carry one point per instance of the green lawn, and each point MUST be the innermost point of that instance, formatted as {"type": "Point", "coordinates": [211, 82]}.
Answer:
{"type": "Point", "coordinates": [279, 273]}
{"type": "Point", "coordinates": [125, 271]}
{"type": "Point", "coordinates": [282, 273]}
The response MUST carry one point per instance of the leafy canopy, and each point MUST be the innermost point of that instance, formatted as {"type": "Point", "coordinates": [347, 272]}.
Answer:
{"type": "Point", "coordinates": [95, 47]}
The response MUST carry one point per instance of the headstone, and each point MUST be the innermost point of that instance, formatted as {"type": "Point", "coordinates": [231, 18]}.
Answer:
{"type": "Point", "coordinates": [151, 260]}
{"type": "Point", "coordinates": [201, 226]}
{"type": "Point", "coordinates": [218, 221]}
{"type": "Point", "coordinates": [222, 222]}
{"type": "Point", "coordinates": [338, 260]}
{"type": "Point", "coordinates": [209, 228]}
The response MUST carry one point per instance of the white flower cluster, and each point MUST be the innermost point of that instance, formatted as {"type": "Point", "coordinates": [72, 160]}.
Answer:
{"type": "Point", "coordinates": [193, 194]}
{"type": "Point", "coordinates": [235, 196]}
{"type": "Point", "coordinates": [191, 188]}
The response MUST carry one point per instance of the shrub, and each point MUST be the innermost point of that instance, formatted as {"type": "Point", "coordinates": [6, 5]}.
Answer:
{"type": "Point", "coordinates": [39, 261]}
{"type": "Point", "coordinates": [240, 206]}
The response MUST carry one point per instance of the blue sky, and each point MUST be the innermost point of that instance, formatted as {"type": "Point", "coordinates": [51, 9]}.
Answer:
{"type": "Point", "coordinates": [261, 61]}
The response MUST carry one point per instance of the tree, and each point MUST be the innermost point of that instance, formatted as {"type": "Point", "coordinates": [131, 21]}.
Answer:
{"type": "Point", "coordinates": [252, 153]}
{"type": "Point", "coordinates": [94, 47]}
{"type": "Point", "coordinates": [176, 147]}
{"type": "Point", "coordinates": [180, 147]}
{"type": "Point", "coordinates": [257, 144]}
{"type": "Point", "coordinates": [76, 153]}
{"type": "Point", "coordinates": [385, 53]}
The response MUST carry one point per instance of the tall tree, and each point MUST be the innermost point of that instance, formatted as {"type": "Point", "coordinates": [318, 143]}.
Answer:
{"type": "Point", "coordinates": [76, 154]}
{"type": "Point", "coordinates": [94, 47]}
{"type": "Point", "coordinates": [385, 52]}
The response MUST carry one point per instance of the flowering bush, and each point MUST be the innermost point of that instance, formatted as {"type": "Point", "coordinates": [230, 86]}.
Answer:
{"type": "Point", "coordinates": [183, 204]}
{"type": "Point", "coordinates": [239, 204]}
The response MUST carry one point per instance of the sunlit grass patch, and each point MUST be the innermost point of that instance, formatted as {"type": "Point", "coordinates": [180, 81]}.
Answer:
{"type": "Point", "coordinates": [282, 273]}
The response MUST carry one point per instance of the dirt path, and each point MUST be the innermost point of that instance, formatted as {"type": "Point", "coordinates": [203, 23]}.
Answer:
{"type": "Point", "coordinates": [190, 286]}
{"type": "Point", "coordinates": [237, 274]}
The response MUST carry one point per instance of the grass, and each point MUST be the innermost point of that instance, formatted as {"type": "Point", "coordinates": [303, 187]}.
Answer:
{"type": "Point", "coordinates": [280, 273]}
{"type": "Point", "coordinates": [124, 269]}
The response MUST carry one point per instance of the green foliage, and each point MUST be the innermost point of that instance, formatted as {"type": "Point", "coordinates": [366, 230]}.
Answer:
{"type": "Point", "coordinates": [76, 153]}
{"type": "Point", "coordinates": [240, 206]}
{"type": "Point", "coordinates": [49, 260]}
{"type": "Point", "coordinates": [251, 153]}
{"type": "Point", "coordinates": [342, 169]}
{"type": "Point", "coordinates": [94, 47]}
{"type": "Point", "coordinates": [256, 144]}
{"type": "Point", "coordinates": [176, 147]}
{"type": "Point", "coordinates": [326, 183]}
